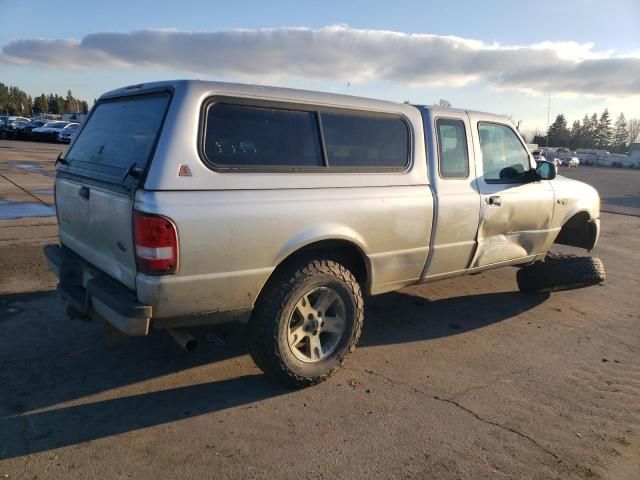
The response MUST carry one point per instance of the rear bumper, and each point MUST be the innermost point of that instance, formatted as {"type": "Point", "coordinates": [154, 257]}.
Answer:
{"type": "Point", "coordinates": [94, 293]}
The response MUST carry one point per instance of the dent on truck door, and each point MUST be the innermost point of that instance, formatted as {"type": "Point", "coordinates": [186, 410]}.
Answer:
{"type": "Point", "coordinates": [516, 211]}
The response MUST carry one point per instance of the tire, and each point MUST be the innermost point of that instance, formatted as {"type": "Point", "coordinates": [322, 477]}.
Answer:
{"type": "Point", "coordinates": [287, 322]}
{"type": "Point", "coordinates": [3, 135]}
{"type": "Point", "coordinates": [560, 272]}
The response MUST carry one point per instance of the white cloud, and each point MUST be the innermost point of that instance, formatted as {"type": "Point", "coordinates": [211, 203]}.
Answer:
{"type": "Point", "coordinates": [343, 53]}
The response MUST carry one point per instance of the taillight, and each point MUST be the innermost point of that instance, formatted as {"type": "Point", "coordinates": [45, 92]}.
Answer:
{"type": "Point", "coordinates": [156, 244]}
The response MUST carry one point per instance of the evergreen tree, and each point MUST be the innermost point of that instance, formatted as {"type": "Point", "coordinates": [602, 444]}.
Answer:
{"type": "Point", "coordinates": [576, 139]}
{"type": "Point", "coordinates": [558, 133]}
{"type": "Point", "coordinates": [539, 139]}
{"type": "Point", "coordinates": [60, 103]}
{"type": "Point", "coordinates": [38, 106]}
{"type": "Point", "coordinates": [14, 101]}
{"type": "Point", "coordinates": [620, 134]}
{"type": "Point", "coordinates": [52, 105]}
{"type": "Point", "coordinates": [593, 127]}
{"type": "Point", "coordinates": [633, 128]}
{"type": "Point", "coordinates": [585, 133]}
{"type": "Point", "coordinates": [44, 102]}
{"type": "Point", "coordinates": [602, 135]}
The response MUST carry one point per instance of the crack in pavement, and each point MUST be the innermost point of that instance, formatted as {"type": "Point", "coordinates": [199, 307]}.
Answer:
{"type": "Point", "coordinates": [25, 190]}
{"type": "Point", "coordinates": [488, 384]}
{"type": "Point", "coordinates": [470, 412]}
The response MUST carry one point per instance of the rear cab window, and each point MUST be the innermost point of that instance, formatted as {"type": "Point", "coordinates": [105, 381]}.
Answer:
{"type": "Point", "coordinates": [118, 139]}
{"type": "Point", "coordinates": [452, 148]}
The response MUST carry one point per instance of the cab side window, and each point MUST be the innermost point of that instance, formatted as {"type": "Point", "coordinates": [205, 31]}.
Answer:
{"type": "Point", "coordinates": [504, 158]}
{"type": "Point", "coordinates": [365, 141]}
{"type": "Point", "coordinates": [253, 136]}
{"type": "Point", "coordinates": [452, 148]}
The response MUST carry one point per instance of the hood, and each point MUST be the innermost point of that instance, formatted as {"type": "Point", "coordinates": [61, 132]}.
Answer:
{"type": "Point", "coordinates": [569, 183]}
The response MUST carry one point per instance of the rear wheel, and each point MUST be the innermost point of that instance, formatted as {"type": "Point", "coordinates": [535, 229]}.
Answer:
{"type": "Point", "coordinates": [306, 322]}
{"type": "Point", "coordinates": [560, 272]}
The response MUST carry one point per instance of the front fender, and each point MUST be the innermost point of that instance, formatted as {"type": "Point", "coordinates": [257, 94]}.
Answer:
{"type": "Point", "coordinates": [573, 197]}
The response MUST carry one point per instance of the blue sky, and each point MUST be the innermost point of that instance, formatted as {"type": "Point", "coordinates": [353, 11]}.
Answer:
{"type": "Point", "coordinates": [419, 62]}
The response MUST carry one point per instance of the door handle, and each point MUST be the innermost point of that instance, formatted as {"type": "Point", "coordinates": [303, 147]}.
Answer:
{"type": "Point", "coordinates": [494, 200]}
{"type": "Point", "coordinates": [84, 193]}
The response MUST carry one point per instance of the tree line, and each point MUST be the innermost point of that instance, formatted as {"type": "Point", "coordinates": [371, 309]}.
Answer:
{"type": "Point", "coordinates": [14, 101]}
{"type": "Point", "coordinates": [592, 132]}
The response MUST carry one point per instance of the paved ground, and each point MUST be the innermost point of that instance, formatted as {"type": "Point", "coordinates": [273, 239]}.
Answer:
{"type": "Point", "coordinates": [618, 187]}
{"type": "Point", "coordinates": [465, 378]}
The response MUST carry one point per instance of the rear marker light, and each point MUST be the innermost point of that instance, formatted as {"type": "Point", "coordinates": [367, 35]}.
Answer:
{"type": "Point", "coordinates": [156, 244]}
{"type": "Point", "coordinates": [184, 171]}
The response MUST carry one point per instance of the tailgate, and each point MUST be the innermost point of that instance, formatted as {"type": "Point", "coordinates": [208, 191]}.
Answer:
{"type": "Point", "coordinates": [97, 180]}
{"type": "Point", "coordinates": [96, 224]}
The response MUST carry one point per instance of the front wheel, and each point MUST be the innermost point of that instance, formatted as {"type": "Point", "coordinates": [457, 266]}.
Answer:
{"type": "Point", "coordinates": [560, 272]}
{"type": "Point", "coordinates": [306, 322]}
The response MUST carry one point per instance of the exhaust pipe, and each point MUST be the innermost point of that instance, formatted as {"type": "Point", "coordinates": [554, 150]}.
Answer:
{"type": "Point", "coordinates": [184, 339]}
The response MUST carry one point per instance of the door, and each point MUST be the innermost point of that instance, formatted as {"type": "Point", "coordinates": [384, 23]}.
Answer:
{"type": "Point", "coordinates": [456, 196]}
{"type": "Point", "coordinates": [516, 208]}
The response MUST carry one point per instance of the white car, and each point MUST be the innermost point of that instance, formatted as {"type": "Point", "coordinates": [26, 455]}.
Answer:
{"type": "Point", "coordinates": [11, 121]}
{"type": "Point", "coordinates": [49, 131]}
{"type": "Point", "coordinates": [538, 155]}
{"type": "Point", "coordinates": [569, 161]}
{"type": "Point", "coordinates": [67, 133]}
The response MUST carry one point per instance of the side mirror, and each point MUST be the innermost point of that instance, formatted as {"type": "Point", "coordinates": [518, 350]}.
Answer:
{"type": "Point", "coordinates": [546, 170]}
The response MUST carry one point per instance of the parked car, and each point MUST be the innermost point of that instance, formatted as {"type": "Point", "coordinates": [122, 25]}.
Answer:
{"type": "Point", "coordinates": [569, 161]}
{"type": "Point", "coordinates": [24, 133]}
{"type": "Point", "coordinates": [5, 131]}
{"type": "Point", "coordinates": [67, 133]}
{"type": "Point", "coordinates": [11, 121]}
{"type": "Point", "coordinates": [333, 198]}
{"type": "Point", "coordinates": [9, 126]}
{"type": "Point", "coordinates": [538, 156]}
{"type": "Point", "coordinates": [49, 131]}
{"type": "Point", "coordinates": [20, 124]}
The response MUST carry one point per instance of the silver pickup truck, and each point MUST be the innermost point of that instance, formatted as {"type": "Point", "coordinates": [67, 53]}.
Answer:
{"type": "Point", "coordinates": [186, 203]}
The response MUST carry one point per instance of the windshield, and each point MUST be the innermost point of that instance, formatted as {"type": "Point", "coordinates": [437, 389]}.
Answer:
{"type": "Point", "coordinates": [120, 134]}
{"type": "Point", "coordinates": [56, 125]}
